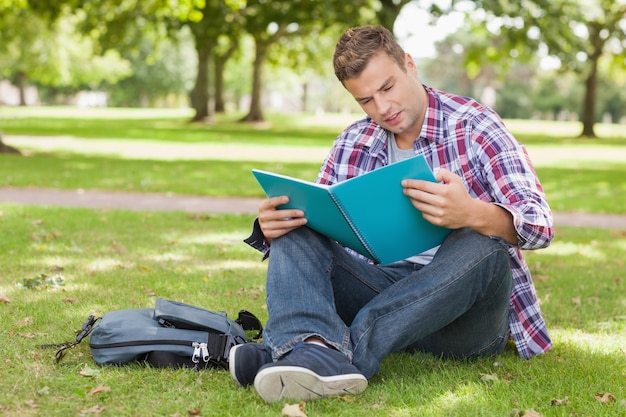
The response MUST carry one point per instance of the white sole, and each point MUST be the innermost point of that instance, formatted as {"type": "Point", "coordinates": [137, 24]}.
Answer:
{"type": "Point", "coordinates": [277, 383]}
{"type": "Point", "coordinates": [231, 364]}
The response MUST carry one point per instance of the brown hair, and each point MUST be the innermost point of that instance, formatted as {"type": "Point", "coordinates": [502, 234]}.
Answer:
{"type": "Point", "coordinates": [358, 45]}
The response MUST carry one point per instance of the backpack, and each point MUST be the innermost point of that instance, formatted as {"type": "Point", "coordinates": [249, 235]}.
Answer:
{"type": "Point", "coordinates": [172, 334]}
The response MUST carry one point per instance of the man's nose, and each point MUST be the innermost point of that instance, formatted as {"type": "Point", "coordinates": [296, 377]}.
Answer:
{"type": "Point", "coordinates": [382, 105]}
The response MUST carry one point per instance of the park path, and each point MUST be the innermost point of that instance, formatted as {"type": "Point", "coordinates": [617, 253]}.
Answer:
{"type": "Point", "coordinates": [203, 204]}
{"type": "Point", "coordinates": [200, 204]}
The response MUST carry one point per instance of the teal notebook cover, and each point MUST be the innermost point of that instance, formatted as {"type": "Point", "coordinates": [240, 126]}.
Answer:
{"type": "Point", "coordinates": [368, 213]}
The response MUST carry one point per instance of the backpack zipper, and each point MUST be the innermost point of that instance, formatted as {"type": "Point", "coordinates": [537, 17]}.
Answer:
{"type": "Point", "coordinates": [200, 349]}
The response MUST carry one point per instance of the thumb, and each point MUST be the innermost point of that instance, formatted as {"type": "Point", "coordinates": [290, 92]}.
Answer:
{"type": "Point", "coordinates": [444, 176]}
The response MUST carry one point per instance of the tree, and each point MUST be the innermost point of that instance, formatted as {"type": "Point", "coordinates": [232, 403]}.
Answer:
{"type": "Point", "coordinates": [271, 22]}
{"type": "Point", "coordinates": [387, 11]}
{"type": "Point", "coordinates": [123, 25]}
{"type": "Point", "coordinates": [210, 21]}
{"type": "Point", "coordinates": [50, 53]}
{"type": "Point", "coordinates": [581, 34]}
{"type": "Point", "coordinates": [225, 50]}
{"type": "Point", "coordinates": [162, 71]}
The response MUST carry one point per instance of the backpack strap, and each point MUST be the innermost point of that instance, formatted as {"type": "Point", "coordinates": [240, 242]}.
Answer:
{"type": "Point", "coordinates": [84, 331]}
{"type": "Point", "coordinates": [250, 322]}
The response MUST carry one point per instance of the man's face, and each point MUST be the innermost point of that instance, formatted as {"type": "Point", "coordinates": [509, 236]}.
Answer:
{"type": "Point", "coordinates": [392, 96]}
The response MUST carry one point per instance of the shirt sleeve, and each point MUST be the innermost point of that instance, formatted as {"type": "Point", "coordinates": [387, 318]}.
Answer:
{"type": "Point", "coordinates": [509, 178]}
{"type": "Point", "coordinates": [257, 240]}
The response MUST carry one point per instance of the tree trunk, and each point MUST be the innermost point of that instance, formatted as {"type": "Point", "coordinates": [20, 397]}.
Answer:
{"type": "Point", "coordinates": [4, 148]}
{"type": "Point", "coordinates": [21, 85]}
{"type": "Point", "coordinates": [200, 92]}
{"type": "Point", "coordinates": [220, 64]}
{"type": "Point", "coordinates": [591, 82]}
{"type": "Point", "coordinates": [305, 96]}
{"type": "Point", "coordinates": [255, 114]}
{"type": "Point", "coordinates": [389, 12]}
{"type": "Point", "coordinates": [589, 103]}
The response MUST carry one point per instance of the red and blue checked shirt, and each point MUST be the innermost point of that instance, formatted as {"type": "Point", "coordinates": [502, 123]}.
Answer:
{"type": "Point", "coordinates": [469, 139]}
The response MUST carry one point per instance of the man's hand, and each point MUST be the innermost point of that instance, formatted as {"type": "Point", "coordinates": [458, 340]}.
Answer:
{"type": "Point", "coordinates": [274, 222]}
{"type": "Point", "coordinates": [447, 203]}
{"type": "Point", "coordinates": [444, 203]}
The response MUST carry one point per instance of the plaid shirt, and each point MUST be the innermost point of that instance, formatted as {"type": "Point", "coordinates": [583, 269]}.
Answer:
{"type": "Point", "coordinates": [469, 139]}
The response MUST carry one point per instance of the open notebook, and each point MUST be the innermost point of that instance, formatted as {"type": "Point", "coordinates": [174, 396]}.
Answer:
{"type": "Point", "coordinates": [368, 213]}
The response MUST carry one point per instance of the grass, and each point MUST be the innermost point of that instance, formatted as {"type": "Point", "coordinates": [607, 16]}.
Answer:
{"type": "Point", "coordinates": [168, 126]}
{"type": "Point", "coordinates": [113, 259]}
{"type": "Point", "coordinates": [585, 187]}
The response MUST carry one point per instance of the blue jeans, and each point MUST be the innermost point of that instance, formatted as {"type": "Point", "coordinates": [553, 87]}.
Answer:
{"type": "Point", "coordinates": [456, 306]}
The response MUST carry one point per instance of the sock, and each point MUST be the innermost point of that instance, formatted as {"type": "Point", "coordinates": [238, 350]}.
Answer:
{"type": "Point", "coordinates": [316, 342]}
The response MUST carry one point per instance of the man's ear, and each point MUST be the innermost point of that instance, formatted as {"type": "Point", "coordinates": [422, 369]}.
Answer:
{"type": "Point", "coordinates": [409, 64]}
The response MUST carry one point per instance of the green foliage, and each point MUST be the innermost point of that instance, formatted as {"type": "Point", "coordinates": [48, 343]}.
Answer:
{"type": "Point", "coordinates": [52, 53]}
{"type": "Point", "coordinates": [161, 70]}
{"type": "Point", "coordinates": [582, 37]}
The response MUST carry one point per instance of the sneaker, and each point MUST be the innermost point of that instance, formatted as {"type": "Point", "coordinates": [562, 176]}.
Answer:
{"type": "Point", "coordinates": [309, 372]}
{"type": "Point", "coordinates": [245, 360]}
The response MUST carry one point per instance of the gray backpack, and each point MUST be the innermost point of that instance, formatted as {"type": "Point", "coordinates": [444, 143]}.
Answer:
{"type": "Point", "coordinates": [172, 334]}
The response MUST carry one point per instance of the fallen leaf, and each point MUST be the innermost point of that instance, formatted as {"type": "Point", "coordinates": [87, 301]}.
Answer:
{"type": "Point", "coordinates": [70, 300]}
{"type": "Point", "coordinates": [576, 301]}
{"type": "Point", "coordinates": [488, 377]}
{"type": "Point", "coordinates": [294, 410]}
{"type": "Point", "coordinates": [507, 376]}
{"type": "Point", "coordinates": [555, 402]}
{"type": "Point", "coordinates": [605, 397]}
{"type": "Point", "coordinates": [524, 413]}
{"type": "Point", "coordinates": [195, 412]}
{"type": "Point", "coordinates": [99, 390]}
{"type": "Point", "coordinates": [31, 403]}
{"type": "Point", "coordinates": [347, 398]}
{"type": "Point", "coordinates": [89, 372]}
{"type": "Point", "coordinates": [96, 409]}
{"type": "Point", "coordinates": [4, 299]}
{"type": "Point", "coordinates": [26, 321]}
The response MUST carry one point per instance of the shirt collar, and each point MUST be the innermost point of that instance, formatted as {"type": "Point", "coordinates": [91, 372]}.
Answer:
{"type": "Point", "coordinates": [434, 128]}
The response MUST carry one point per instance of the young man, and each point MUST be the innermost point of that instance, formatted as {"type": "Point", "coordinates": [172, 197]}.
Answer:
{"type": "Point", "coordinates": [333, 315]}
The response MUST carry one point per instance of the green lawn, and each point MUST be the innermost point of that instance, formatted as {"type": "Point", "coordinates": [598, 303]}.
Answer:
{"type": "Point", "coordinates": [572, 170]}
{"type": "Point", "coordinates": [111, 259]}
{"type": "Point", "coordinates": [102, 260]}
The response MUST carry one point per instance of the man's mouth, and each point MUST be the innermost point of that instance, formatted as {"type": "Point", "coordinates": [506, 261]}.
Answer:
{"type": "Point", "coordinates": [393, 119]}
